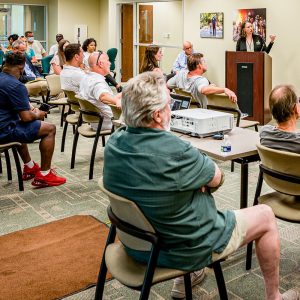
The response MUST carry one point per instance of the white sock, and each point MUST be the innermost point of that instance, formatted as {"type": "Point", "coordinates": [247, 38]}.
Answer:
{"type": "Point", "coordinates": [30, 164]}
{"type": "Point", "coordinates": [44, 173]}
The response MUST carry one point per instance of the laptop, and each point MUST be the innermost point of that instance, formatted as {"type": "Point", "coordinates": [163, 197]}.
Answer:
{"type": "Point", "coordinates": [179, 102]}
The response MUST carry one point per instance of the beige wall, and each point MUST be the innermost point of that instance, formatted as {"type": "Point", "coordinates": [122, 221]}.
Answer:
{"type": "Point", "coordinates": [281, 20]}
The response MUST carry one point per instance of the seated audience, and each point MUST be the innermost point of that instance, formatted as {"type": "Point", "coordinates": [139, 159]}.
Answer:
{"type": "Point", "coordinates": [285, 108]}
{"type": "Point", "coordinates": [195, 83]}
{"type": "Point", "coordinates": [95, 89]}
{"type": "Point", "coordinates": [35, 45]}
{"type": "Point", "coordinates": [54, 48]}
{"type": "Point", "coordinates": [11, 39]}
{"type": "Point", "coordinates": [89, 46]}
{"type": "Point", "coordinates": [35, 84]}
{"type": "Point", "coordinates": [170, 181]}
{"type": "Point", "coordinates": [71, 75]}
{"type": "Point", "coordinates": [181, 60]}
{"type": "Point", "coordinates": [58, 60]}
{"type": "Point", "coordinates": [20, 123]}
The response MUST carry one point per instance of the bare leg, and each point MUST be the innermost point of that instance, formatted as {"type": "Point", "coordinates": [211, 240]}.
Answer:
{"type": "Point", "coordinates": [24, 153]}
{"type": "Point", "coordinates": [47, 134]}
{"type": "Point", "coordinates": [262, 228]}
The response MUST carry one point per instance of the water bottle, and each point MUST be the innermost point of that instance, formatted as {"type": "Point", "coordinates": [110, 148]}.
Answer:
{"type": "Point", "coordinates": [226, 145]}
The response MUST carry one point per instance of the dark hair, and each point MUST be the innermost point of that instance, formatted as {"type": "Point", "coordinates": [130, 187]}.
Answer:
{"type": "Point", "coordinates": [149, 61]}
{"type": "Point", "coordinates": [14, 59]}
{"type": "Point", "coordinates": [87, 42]}
{"type": "Point", "coordinates": [14, 37]}
{"type": "Point", "coordinates": [282, 101]}
{"type": "Point", "coordinates": [193, 61]}
{"type": "Point", "coordinates": [71, 50]}
{"type": "Point", "coordinates": [60, 52]}
{"type": "Point", "coordinates": [27, 32]}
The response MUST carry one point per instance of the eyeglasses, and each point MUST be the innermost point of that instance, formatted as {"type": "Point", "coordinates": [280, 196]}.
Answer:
{"type": "Point", "coordinates": [100, 52]}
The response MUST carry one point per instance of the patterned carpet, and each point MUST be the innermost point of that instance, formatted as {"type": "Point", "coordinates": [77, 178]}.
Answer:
{"type": "Point", "coordinates": [19, 210]}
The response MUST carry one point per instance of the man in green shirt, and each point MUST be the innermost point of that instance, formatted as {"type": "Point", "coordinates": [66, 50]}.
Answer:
{"type": "Point", "coordinates": [171, 181]}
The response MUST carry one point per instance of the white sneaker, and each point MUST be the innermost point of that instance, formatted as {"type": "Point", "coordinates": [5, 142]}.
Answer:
{"type": "Point", "coordinates": [292, 294]}
{"type": "Point", "coordinates": [178, 290]}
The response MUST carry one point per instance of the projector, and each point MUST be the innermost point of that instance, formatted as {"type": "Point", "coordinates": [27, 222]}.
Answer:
{"type": "Point", "coordinates": [201, 122]}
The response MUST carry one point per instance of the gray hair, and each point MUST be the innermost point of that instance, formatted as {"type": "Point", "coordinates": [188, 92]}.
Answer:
{"type": "Point", "coordinates": [16, 44]}
{"type": "Point", "coordinates": [141, 97]}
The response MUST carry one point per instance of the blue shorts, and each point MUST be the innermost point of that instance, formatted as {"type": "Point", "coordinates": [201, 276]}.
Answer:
{"type": "Point", "coordinates": [22, 132]}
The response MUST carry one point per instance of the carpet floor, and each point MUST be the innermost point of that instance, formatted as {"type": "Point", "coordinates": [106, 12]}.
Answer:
{"type": "Point", "coordinates": [52, 260]}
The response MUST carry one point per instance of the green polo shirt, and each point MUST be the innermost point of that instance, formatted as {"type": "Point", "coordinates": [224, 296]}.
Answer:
{"type": "Point", "coordinates": [163, 175]}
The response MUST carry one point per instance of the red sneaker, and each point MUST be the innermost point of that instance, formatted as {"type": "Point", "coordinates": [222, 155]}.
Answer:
{"type": "Point", "coordinates": [29, 173]}
{"type": "Point", "coordinates": [51, 179]}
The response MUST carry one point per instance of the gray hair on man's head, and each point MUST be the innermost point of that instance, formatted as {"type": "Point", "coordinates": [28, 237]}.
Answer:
{"type": "Point", "coordinates": [16, 44]}
{"type": "Point", "coordinates": [141, 97]}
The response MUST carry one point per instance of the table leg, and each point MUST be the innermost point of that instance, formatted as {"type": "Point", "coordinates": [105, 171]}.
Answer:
{"type": "Point", "coordinates": [244, 185]}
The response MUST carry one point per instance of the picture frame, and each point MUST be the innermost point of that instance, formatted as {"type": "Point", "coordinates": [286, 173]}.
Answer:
{"type": "Point", "coordinates": [212, 25]}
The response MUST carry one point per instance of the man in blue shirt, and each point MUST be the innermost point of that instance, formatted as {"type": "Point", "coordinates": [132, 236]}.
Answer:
{"type": "Point", "coordinates": [181, 60]}
{"type": "Point", "coordinates": [19, 122]}
{"type": "Point", "coordinates": [171, 182]}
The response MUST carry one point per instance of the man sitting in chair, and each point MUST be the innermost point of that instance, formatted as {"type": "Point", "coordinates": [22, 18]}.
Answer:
{"type": "Point", "coordinates": [171, 182]}
{"type": "Point", "coordinates": [19, 122]}
{"type": "Point", "coordinates": [95, 89]}
{"type": "Point", "coordinates": [195, 83]}
{"type": "Point", "coordinates": [285, 108]}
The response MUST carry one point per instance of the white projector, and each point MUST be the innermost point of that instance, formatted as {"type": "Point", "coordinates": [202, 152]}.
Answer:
{"type": "Point", "coordinates": [201, 122]}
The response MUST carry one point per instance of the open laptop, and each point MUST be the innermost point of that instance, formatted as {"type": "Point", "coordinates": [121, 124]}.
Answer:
{"type": "Point", "coordinates": [179, 102]}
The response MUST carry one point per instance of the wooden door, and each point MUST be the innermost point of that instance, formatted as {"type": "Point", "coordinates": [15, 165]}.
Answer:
{"type": "Point", "coordinates": [145, 29]}
{"type": "Point", "coordinates": [127, 42]}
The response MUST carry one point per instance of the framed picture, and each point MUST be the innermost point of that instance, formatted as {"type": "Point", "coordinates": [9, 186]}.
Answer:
{"type": "Point", "coordinates": [256, 16]}
{"type": "Point", "coordinates": [211, 25]}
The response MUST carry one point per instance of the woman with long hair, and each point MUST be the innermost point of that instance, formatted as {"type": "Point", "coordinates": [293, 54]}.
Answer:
{"type": "Point", "coordinates": [252, 42]}
{"type": "Point", "coordinates": [59, 59]}
{"type": "Point", "coordinates": [152, 57]}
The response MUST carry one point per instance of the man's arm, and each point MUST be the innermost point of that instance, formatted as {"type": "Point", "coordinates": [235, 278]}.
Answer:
{"type": "Point", "coordinates": [176, 64]}
{"type": "Point", "coordinates": [32, 115]}
{"type": "Point", "coordinates": [216, 179]}
{"type": "Point", "coordinates": [109, 99]}
{"type": "Point", "coordinates": [171, 83]}
{"type": "Point", "coordinates": [213, 89]}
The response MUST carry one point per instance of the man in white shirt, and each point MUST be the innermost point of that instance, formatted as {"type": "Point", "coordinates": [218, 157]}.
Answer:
{"type": "Point", "coordinates": [71, 75]}
{"type": "Point", "coordinates": [195, 83]}
{"type": "Point", "coordinates": [35, 45]}
{"type": "Point", "coordinates": [54, 48]}
{"type": "Point", "coordinates": [95, 89]}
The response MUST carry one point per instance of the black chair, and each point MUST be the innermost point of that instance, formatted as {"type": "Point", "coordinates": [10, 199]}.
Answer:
{"type": "Point", "coordinates": [137, 233]}
{"type": "Point", "coordinates": [281, 171]}
{"type": "Point", "coordinates": [4, 148]}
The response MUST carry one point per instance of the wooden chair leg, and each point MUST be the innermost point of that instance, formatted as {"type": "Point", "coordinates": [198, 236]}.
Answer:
{"type": "Point", "coordinates": [188, 287]}
{"type": "Point", "coordinates": [8, 165]}
{"type": "Point", "coordinates": [220, 280]}
{"type": "Point", "coordinates": [18, 167]}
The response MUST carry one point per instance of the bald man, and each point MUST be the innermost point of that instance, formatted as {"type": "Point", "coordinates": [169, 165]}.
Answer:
{"type": "Point", "coordinates": [181, 60]}
{"type": "Point", "coordinates": [95, 89]}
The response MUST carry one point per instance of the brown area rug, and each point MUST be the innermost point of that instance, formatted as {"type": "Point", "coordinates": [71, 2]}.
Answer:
{"type": "Point", "coordinates": [52, 260]}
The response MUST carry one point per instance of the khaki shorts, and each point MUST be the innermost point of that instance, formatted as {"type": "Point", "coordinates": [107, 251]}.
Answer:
{"type": "Point", "coordinates": [237, 238]}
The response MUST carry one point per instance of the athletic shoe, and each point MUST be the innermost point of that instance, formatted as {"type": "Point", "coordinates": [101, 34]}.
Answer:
{"type": "Point", "coordinates": [292, 294]}
{"type": "Point", "coordinates": [178, 290]}
{"type": "Point", "coordinates": [29, 173]}
{"type": "Point", "coordinates": [51, 179]}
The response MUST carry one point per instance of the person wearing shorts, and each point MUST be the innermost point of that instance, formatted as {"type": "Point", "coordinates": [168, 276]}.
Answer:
{"type": "Point", "coordinates": [20, 122]}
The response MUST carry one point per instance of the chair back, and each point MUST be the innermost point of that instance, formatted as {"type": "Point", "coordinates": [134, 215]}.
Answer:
{"type": "Point", "coordinates": [46, 64]}
{"type": "Point", "coordinates": [112, 54]}
{"type": "Point", "coordinates": [117, 112]}
{"type": "Point", "coordinates": [188, 94]}
{"type": "Point", "coordinates": [129, 212]}
{"type": "Point", "coordinates": [280, 162]}
{"type": "Point", "coordinates": [72, 100]}
{"type": "Point", "coordinates": [221, 102]}
{"type": "Point", "coordinates": [1, 57]}
{"type": "Point", "coordinates": [54, 85]}
{"type": "Point", "coordinates": [90, 113]}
